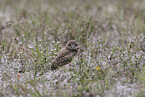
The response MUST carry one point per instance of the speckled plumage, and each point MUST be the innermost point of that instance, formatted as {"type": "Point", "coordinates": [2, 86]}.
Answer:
{"type": "Point", "coordinates": [66, 55]}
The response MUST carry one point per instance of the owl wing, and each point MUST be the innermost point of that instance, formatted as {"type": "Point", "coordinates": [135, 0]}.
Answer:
{"type": "Point", "coordinates": [64, 57]}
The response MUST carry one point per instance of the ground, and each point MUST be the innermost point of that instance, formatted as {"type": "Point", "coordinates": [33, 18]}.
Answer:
{"type": "Point", "coordinates": [111, 61]}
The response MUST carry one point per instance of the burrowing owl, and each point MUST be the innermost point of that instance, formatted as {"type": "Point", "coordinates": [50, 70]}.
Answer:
{"type": "Point", "coordinates": [66, 55]}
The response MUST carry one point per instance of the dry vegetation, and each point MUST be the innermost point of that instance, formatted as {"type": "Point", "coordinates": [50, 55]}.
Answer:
{"type": "Point", "coordinates": [111, 62]}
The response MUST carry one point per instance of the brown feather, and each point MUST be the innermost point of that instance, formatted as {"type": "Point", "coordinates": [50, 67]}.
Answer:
{"type": "Point", "coordinates": [65, 56]}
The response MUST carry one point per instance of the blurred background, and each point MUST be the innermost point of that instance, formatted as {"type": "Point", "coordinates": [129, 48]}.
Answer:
{"type": "Point", "coordinates": [111, 34]}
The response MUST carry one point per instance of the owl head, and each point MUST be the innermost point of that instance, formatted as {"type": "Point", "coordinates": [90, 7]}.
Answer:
{"type": "Point", "coordinates": [72, 45]}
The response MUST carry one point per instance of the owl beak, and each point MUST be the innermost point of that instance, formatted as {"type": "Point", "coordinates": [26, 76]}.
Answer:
{"type": "Point", "coordinates": [73, 46]}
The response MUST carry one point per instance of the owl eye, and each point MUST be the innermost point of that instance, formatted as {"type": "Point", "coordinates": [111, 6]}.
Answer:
{"type": "Point", "coordinates": [69, 45]}
{"type": "Point", "coordinates": [75, 44]}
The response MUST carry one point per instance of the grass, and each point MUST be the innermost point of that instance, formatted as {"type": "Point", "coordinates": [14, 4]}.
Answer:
{"type": "Point", "coordinates": [111, 61]}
